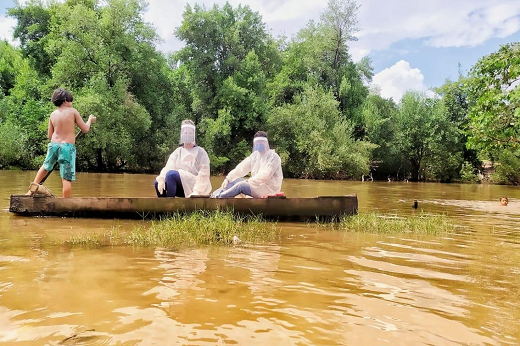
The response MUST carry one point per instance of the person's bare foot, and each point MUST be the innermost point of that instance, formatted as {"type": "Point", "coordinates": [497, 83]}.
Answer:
{"type": "Point", "coordinates": [29, 193]}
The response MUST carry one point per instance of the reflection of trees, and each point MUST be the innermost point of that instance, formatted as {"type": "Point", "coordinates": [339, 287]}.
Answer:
{"type": "Point", "coordinates": [262, 264]}
{"type": "Point", "coordinates": [225, 283]}
{"type": "Point", "coordinates": [496, 279]}
{"type": "Point", "coordinates": [181, 272]}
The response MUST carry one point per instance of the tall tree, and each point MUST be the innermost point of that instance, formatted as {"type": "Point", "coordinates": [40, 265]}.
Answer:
{"type": "Point", "coordinates": [379, 127]}
{"type": "Point", "coordinates": [315, 141]}
{"type": "Point", "coordinates": [494, 126]}
{"type": "Point", "coordinates": [427, 140]}
{"type": "Point", "coordinates": [216, 43]}
{"type": "Point", "coordinates": [33, 25]}
{"type": "Point", "coordinates": [229, 56]}
{"type": "Point", "coordinates": [319, 54]}
{"type": "Point", "coordinates": [495, 90]}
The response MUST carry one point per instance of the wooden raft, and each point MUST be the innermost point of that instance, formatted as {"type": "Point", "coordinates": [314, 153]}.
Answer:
{"type": "Point", "coordinates": [150, 207]}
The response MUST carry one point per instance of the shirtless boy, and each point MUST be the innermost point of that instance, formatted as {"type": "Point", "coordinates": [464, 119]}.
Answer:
{"type": "Point", "coordinates": [62, 147]}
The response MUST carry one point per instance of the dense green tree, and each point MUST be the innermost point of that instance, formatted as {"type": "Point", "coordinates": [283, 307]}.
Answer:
{"type": "Point", "coordinates": [32, 28]}
{"type": "Point", "coordinates": [379, 127]}
{"type": "Point", "coordinates": [217, 41]}
{"type": "Point", "coordinates": [13, 148]}
{"type": "Point", "coordinates": [428, 141]}
{"type": "Point", "coordinates": [10, 60]}
{"type": "Point", "coordinates": [495, 90]}
{"type": "Point", "coordinates": [315, 141]}
{"type": "Point", "coordinates": [319, 54]}
{"type": "Point", "coordinates": [100, 53]}
{"type": "Point", "coordinates": [23, 108]}
{"type": "Point", "coordinates": [455, 98]}
{"type": "Point", "coordinates": [244, 105]}
{"type": "Point", "coordinates": [494, 127]}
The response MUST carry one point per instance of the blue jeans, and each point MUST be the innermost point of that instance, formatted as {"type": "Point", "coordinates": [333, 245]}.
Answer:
{"type": "Point", "coordinates": [233, 189]}
{"type": "Point", "coordinates": [173, 185]}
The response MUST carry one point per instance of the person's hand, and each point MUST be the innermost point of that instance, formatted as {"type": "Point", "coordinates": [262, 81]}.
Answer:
{"type": "Point", "coordinates": [161, 185]}
{"type": "Point", "coordinates": [224, 184]}
{"type": "Point", "coordinates": [92, 118]}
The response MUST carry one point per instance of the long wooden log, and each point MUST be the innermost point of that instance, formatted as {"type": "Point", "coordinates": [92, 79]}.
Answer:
{"type": "Point", "coordinates": [147, 207]}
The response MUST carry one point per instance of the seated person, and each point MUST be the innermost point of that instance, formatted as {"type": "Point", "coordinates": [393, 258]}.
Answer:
{"type": "Point", "coordinates": [265, 167]}
{"type": "Point", "coordinates": [187, 171]}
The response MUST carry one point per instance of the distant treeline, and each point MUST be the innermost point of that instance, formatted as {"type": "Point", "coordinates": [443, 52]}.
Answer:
{"type": "Point", "coordinates": [234, 78]}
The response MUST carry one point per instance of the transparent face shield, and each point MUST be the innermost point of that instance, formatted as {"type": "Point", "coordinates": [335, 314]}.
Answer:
{"type": "Point", "coordinates": [261, 144]}
{"type": "Point", "coordinates": [187, 134]}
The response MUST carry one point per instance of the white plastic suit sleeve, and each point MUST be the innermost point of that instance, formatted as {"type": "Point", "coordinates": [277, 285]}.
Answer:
{"type": "Point", "coordinates": [202, 182]}
{"type": "Point", "coordinates": [241, 170]}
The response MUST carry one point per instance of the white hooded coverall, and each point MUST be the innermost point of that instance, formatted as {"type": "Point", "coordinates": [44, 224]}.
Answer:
{"type": "Point", "coordinates": [193, 167]}
{"type": "Point", "coordinates": [266, 173]}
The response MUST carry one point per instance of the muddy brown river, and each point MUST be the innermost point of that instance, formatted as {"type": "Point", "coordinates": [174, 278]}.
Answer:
{"type": "Point", "coordinates": [315, 286]}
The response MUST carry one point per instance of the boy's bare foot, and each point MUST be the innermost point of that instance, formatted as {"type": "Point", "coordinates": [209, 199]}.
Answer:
{"type": "Point", "coordinates": [29, 193]}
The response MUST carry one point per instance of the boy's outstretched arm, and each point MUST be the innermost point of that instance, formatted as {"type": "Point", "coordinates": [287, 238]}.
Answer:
{"type": "Point", "coordinates": [84, 126]}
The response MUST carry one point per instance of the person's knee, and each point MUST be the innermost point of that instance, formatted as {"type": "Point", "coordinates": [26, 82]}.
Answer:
{"type": "Point", "coordinates": [172, 175]}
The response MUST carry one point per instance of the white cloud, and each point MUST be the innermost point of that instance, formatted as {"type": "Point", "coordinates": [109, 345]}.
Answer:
{"type": "Point", "coordinates": [440, 23]}
{"type": "Point", "coordinates": [6, 29]}
{"type": "Point", "coordinates": [393, 82]}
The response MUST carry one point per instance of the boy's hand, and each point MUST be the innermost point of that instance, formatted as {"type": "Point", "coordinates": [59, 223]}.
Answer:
{"type": "Point", "coordinates": [92, 118]}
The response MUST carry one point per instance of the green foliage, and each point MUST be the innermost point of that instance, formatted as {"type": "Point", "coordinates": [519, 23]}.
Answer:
{"type": "Point", "coordinates": [378, 116]}
{"type": "Point", "coordinates": [115, 140]}
{"type": "Point", "coordinates": [217, 41]}
{"type": "Point", "coordinates": [233, 79]}
{"type": "Point", "coordinates": [427, 139]}
{"type": "Point", "coordinates": [420, 223]}
{"type": "Point", "coordinates": [468, 173]}
{"type": "Point", "coordinates": [10, 60]}
{"type": "Point", "coordinates": [319, 55]}
{"type": "Point", "coordinates": [456, 102]}
{"type": "Point", "coordinates": [33, 26]}
{"type": "Point", "coordinates": [220, 228]}
{"type": "Point", "coordinates": [495, 91]}
{"type": "Point", "coordinates": [228, 58]}
{"type": "Point", "coordinates": [314, 141]}
{"type": "Point", "coordinates": [14, 142]}
{"type": "Point", "coordinates": [106, 47]}
{"type": "Point", "coordinates": [244, 108]}
{"type": "Point", "coordinates": [507, 170]}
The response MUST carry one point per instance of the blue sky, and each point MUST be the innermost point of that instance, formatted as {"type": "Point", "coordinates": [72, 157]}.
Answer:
{"type": "Point", "coordinates": [413, 44]}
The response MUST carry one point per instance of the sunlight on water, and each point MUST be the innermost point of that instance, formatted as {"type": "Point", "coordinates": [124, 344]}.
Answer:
{"type": "Point", "coordinates": [315, 286]}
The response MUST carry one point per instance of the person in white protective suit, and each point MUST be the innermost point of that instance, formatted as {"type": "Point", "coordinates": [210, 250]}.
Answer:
{"type": "Point", "coordinates": [187, 171]}
{"type": "Point", "coordinates": [265, 167]}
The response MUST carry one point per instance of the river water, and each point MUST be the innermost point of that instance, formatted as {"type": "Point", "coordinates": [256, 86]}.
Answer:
{"type": "Point", "coordinates": [316, 286]}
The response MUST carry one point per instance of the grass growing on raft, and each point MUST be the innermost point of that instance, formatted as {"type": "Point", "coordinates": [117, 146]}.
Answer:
{"type": "Point", "coordinates": [420, 223]}
{"type": "Point", "coordinates": [198, 228]}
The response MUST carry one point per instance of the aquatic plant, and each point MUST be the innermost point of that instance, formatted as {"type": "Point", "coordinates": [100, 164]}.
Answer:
{"type": "Point", "coordinates": [420, 223]}
{"type": "Point", "coordinates": [198, 228]}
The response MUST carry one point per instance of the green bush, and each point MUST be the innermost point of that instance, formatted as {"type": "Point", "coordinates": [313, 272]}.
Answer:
{"type": "Point", "coordinates": [468, 173]}
{"type": "Point", "coordinates": [14, 143]}
{"type": "Point", "coordinates": [507, 169]}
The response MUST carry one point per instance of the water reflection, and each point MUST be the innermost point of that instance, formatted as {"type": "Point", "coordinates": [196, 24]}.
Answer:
{"type": "Point", "coordinates": [316, 286]}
